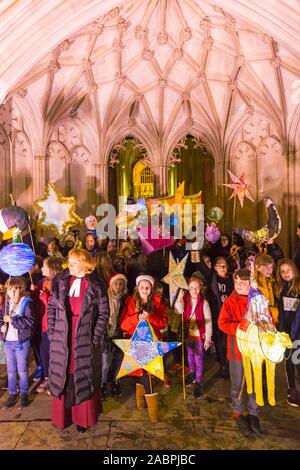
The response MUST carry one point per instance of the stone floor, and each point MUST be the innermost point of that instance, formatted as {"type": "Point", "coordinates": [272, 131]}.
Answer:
{"type": "Point", "coordinates": [184, 424]}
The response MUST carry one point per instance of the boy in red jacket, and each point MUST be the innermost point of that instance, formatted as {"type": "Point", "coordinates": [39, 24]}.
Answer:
{"type": "Point", "coordinates": [231, 314]}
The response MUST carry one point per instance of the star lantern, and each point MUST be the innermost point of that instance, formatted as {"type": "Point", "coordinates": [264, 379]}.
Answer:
{"type": "Point", "coordinates": [175, 277]}
{"type": "Point", "coordinates": [179, 199]}
{"type": "Point", "coordinates": [57, 212]}
{"type": "Point", "coordinates": [143, 351]}
{"type": "Point", "coordinates": [241, 189]}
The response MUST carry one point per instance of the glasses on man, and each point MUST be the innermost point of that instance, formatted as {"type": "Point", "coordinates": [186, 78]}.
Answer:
{"type": "Point", "coordinates": [221, 266]}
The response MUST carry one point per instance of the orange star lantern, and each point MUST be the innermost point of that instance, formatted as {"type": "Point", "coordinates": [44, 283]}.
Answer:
{"type": "Point", "coordinates": [179, 199]}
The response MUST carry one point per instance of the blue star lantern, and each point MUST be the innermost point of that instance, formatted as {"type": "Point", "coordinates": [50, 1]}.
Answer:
{"type": "Point", "coordinates": [143, 351]}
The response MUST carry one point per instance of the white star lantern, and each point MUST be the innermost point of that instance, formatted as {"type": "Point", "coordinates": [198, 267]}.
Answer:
{"type": "Point", "coordinates": [57, 213]}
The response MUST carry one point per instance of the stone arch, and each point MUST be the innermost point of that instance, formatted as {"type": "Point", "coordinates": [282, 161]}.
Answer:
{"type": "Point", "coordinates": [272, 169]}
{"type": "Point", "coordinates": [143, 180]}
{"type": "Point", "coordinates": [57, 165]}
{"type": "Point", "coordinates": [122, 159]}
{"type": "Point", "coordinates": [198, 131]}
{"type": "Point", "coordinates": [82, 178]}
{"type": "Point", "coordinates": [5, 168]}
{"type": "Point", "coordinates": [192, 162]}
{"type": "Point", "coordinates": [22, 163]}
{"type": "Point", "coordinates": [135, 132]}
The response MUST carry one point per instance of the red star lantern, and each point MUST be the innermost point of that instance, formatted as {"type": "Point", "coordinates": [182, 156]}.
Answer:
{"type": "Point", "coordinates": [241, 189]}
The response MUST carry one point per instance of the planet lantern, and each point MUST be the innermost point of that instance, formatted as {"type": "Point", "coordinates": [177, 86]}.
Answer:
{"type": "Point", "coordinates": [16, 259]}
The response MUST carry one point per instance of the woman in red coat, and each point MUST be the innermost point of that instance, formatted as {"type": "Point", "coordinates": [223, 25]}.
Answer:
{"type": "Point", "coordinates": [144, 305]}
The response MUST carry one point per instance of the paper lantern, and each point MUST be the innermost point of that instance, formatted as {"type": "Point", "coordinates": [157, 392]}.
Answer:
{"type": "Point", "coordinates": [13, 219]}
{"type": "Point", "coordinates": [158, 242]}
{"type": "Point", "coordinates": [126, 222]}
{"type": "Point", "coordinates": [143, 351]}
{"type": "Point", "coordinates": [212, 233]}
{"type": "Point", "coordinates": [215, 214]}
{"type": "Point", "coordinates": [269, 231]}
{"type": "Point", "coordinates": [56, 212]}
{"type": "Point", "coordinates": [241, 189]}
{"type": "Point", "coordinates": [259, 341]}
{"type": "Point", "coordinates": [16, 259]}
{"type": "Point", "coordinates": [179, 199]}
{"type": "Point", "coordinates": [91, 223]}
{"type": "Point", "coordinates": [175, 277]}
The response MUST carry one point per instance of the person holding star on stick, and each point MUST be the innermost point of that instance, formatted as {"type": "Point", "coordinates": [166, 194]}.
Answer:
{"type": "Point", "coordinates": [144, 306]}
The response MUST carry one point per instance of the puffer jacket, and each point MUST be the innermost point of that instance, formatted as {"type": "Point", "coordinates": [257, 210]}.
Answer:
{"type": "Point", "coordinates": [89, 337]}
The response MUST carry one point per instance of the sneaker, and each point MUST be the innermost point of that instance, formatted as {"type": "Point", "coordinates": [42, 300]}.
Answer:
{"type": "Point", "coordinates": [23, 402]}
{"type": "Point", "coordinates": [293, 398]}
{"type": "Point", "coordinates": [254, 424]}
{"type": "Point", "coordinates": [116, 391]}
{"type": "Point", "coordinates": [197, 391]}
{"type": "Point", "coordinates": [174, 368]}
{"type": "Point", "coordinates": [10, 402]}
{"type": "Point", "coordinates": [38, 374]}
{"type": "Point", "coordinates": [43, 387]}
{"type": "Point", "coordinates": [244, 426]}
{"type": "Point", "coordinates": [104, 394]}
{"type": "Point", "coordinates": [190, 379]}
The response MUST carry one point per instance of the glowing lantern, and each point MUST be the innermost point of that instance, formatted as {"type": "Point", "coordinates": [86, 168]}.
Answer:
{"type": "Point", "coordinates": [259, 341]}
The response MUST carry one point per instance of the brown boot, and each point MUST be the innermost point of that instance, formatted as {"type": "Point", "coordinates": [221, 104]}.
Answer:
{"type": "Point", "coordinates": [152, 403]}
{"type": "Point", "coordinates": [140, 396]}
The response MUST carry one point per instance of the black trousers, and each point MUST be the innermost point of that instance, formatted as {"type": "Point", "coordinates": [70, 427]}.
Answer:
{"type": "Point", "coordinates": [220, 340]}
{"type": "Point", "coordinates": [290, 368]}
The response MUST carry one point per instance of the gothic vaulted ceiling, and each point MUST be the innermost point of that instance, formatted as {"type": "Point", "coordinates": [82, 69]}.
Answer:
{"type": "Point", "coordinates": [158, 67]}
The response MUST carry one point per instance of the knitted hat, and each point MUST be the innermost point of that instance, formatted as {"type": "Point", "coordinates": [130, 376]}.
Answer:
{"type": "Point", "coordinates": [116, 276]}
{"type": "Point", "coordinates": [144, 277]}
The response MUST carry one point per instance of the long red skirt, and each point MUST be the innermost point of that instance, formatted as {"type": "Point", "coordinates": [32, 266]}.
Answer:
{"type": "Point", "coordinates": [84, 415]}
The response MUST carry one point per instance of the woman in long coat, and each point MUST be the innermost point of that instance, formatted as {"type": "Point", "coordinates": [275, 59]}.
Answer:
{"type": "Point", "coordinates": [78, 313]}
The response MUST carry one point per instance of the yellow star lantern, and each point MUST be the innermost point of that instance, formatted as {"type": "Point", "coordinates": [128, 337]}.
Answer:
{"type": "Point", "coordinates": [57, 212]}
{"type": "Point", "coordinates": [143, 351]}
{"type": "Point", "coordinates": [241, 189]}
{"type": "Point", "coordinates": [175, 277]}
{"type": "Point", "coordinates": [179, 199]}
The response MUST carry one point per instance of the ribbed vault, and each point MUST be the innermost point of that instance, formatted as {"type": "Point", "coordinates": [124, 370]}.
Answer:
{"type": "Point", "coordinates": [227, 72]}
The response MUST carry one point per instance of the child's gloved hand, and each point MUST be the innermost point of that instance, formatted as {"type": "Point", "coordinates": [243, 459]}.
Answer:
{"type": "Point", "coordinates": [3, 329]}
{"type": "Point", "coordinates": [6, 318]}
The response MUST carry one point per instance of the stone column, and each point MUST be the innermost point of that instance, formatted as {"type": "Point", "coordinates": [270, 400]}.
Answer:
{"type": "Point", "coordinates": [160, 180]}
{"type": "Point", "coordinates": [39, 179]}
{"type": "Point", "coordinates": [101, 174]}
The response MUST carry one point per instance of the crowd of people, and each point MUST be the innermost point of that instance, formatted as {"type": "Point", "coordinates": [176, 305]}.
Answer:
{"type": "Point", "coordinates": [84, 292]}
